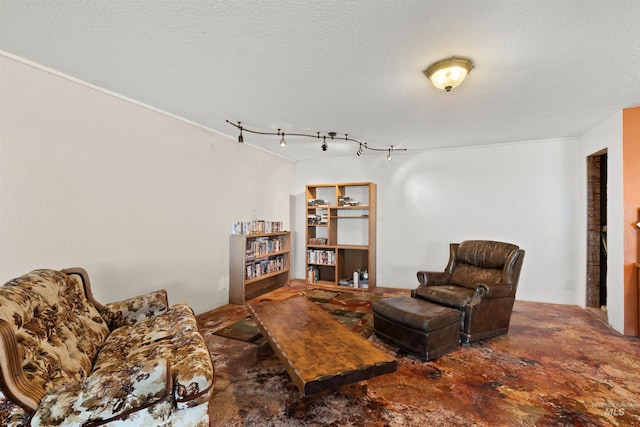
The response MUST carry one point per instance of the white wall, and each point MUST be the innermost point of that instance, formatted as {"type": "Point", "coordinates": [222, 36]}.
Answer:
{"type": "Point", "coordinates": [524, 193]}
{"type": "Point", "coordinates": [143, 200]}
{"type": "Point", "coordinates": [607, 134]}
{"type": "Point", "coordinates": [140, 199]}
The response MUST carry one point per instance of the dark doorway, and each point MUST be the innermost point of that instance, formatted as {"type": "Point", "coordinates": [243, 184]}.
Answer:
{"type": "Point", "coordinates": [597, 231]}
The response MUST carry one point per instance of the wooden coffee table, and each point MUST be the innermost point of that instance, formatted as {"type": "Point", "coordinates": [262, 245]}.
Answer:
{"type": "Point", "coordinates": [320, 354]}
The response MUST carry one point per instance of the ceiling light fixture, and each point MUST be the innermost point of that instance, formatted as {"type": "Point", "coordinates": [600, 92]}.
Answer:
{"type": "Point", "coordinates": [324, 146]}
{"type": "Point", "coordinates": [449, 73]}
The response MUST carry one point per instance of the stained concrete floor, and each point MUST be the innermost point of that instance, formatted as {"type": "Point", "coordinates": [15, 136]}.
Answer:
{"type": "Point", "coordinates": [559, 365]}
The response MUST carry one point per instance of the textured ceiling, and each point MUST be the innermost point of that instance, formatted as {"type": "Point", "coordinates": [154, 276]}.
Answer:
{"type": "Point", "coordinates": [543, 69]}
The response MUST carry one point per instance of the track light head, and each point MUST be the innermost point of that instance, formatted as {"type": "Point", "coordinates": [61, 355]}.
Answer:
{"type": "Point", "coordinates": [240, 138]}
{"type": "Point", "coordinates": [283, 142]}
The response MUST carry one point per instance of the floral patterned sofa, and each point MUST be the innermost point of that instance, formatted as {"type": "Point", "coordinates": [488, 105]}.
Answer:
{"type": "Point", "coordinates": [67, 360]}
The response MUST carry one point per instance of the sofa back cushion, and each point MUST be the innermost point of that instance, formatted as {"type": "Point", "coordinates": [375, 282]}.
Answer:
{"type": "Point", "coordinates": [58, 331]}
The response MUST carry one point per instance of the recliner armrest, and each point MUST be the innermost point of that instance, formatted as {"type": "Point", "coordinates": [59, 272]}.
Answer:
{"type": "Point", "coordinates": [485, 291]}
{"type": "Point", "coordinates": [433, 278]}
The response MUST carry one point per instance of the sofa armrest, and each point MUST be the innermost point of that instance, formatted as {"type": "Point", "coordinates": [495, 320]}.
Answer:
{"type": "Point", "coordinates": [433, 278]}
{"type": "Point", "coordinates": [134, 310]}
{"type": "Point", "coordinates": [18, 388]}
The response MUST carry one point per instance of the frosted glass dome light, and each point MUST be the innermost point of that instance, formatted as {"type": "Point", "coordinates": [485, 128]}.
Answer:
{"type": "Point", "coordinates": [449, 73]}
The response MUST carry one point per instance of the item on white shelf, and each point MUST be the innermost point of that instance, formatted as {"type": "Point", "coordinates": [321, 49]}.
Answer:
{"type": "Point", "coordinates": [356, 278]}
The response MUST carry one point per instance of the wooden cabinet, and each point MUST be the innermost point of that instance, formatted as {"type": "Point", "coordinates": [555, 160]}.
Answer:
{"type": "Point", "coordinates": [258, 263]}
{"type": "Point", "coordinates": [341, 234]}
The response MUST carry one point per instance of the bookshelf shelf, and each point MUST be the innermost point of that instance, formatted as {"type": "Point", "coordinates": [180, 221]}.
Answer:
{"type": "Point", "coordinates": [348, 215]}
{"type": "Point", "coordinates": [258, 263]}
{"type": "Point", "coordinates": [263, 277]}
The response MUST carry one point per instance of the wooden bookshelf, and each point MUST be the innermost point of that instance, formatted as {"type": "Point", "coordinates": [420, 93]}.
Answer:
{"type": "Point", "coordinates": [341, 234]}
{"type": "Point", "coordinates": [258, 263]}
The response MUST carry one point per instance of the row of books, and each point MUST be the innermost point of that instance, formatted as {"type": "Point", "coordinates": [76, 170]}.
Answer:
{"type": "Point", "coordinates": [256, 227]}
{"type": "Point", "coordinates": [317, 219]}
{"type": "Point", "coordinates": [261, 246]}
{"type": "Point", "coordinates": [313, 275]}
{"type": "Point", "coordinates": [318, 256]}
{"type": "Point", "coordinates": [265, 266]}
{"type": "Point", "coordinates": [317, 202]}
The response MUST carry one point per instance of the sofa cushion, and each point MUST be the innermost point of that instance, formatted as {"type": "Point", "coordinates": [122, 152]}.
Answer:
{"type": "Point", "coordinates": [191, 366]}
{"type": "Point", "coordinates": [108, 396]}
{"type": "Point", "coordinates": [179, 318]}
{"type": "Point", "coordinates": [135, 309]}
{"type": "Point", "coordinates": [12, 414]}
{"type": "Point", "coordinates": [58, 331]}
{"type": "Point", "coordinates": [174, 336]}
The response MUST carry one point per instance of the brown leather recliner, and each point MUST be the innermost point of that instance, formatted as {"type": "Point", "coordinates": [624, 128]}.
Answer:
{"type": "Point", "coordinates": [480, 280]}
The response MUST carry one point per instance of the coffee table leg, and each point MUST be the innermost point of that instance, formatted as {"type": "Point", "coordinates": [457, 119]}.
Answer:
{"type": "Point", "coordinates": [263, 349]}
{"type": "Point", "coordinates": [300, 404]}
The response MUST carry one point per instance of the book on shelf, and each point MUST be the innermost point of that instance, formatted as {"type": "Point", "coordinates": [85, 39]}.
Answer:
{"type": "Point", "coordinates": [313, 275]}
{"type": "Point", "coordinates": [264, 266]}
{"type": "Point", "coordinates": [317, 240]}
{"type": "Point", "coordinates": [257, 227]}
{"type": "Point", "coordinates": [261, 246]}
{"type": "Point", "coordinates": [319, 256]}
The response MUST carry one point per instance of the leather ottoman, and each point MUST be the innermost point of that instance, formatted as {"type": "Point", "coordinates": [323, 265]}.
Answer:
{"type": "Point", "coordinates": [420, 327]}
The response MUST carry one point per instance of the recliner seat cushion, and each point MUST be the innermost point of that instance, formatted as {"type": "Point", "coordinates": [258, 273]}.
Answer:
{"type": "Point", "coordinates": [449, 295]}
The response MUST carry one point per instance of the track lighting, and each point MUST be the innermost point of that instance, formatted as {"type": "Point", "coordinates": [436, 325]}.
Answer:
{"type": "Point", "coordinates": [283, 142]}
{"type": "Point", "coordinates": [332, 135]}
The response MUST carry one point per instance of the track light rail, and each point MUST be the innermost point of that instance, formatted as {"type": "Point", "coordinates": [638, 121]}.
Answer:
{"type": "Point", "coordinates": [330, 135]}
